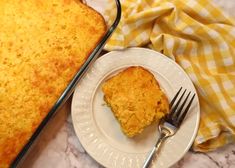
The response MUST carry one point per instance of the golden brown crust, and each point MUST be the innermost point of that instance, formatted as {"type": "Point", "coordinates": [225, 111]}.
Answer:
{"type": "Point", "coordinates": [135, 98]}
{"type": "Point", "coordinates": [42, 46]}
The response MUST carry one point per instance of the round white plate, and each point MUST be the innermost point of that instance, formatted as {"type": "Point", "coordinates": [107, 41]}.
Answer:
{"type": "Point", "coordinates": [100, 133]}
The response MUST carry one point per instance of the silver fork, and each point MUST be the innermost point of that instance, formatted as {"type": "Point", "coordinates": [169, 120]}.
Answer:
{"type": "Point", "coordinates": [171, 123]}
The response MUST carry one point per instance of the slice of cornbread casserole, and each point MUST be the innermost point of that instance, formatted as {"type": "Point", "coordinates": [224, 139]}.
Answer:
{"type": "Point", "coordinates": [135, 99]}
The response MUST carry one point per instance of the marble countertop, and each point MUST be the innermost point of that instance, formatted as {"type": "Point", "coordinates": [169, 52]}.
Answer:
{"type": "Point", "coordinates": [59, 147]}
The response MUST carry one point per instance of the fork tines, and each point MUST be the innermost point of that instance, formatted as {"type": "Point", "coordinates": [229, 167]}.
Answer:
{"type": "Point", "coordinates": [179, 110]}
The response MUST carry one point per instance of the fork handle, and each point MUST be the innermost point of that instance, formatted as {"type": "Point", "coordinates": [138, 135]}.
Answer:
{"type": "Point", "coordinates": [155, 150]}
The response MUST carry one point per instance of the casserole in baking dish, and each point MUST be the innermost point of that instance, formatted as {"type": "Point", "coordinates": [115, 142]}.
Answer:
{"type": "Point", "coordinates": [43, 44]}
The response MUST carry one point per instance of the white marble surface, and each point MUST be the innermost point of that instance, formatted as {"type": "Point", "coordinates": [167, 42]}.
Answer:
{"type": "Point", "coordinates": [58, 147]}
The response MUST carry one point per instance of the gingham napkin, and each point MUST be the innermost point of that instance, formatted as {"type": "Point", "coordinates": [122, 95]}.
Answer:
{"type": "Point", "coordinates": [201, 39]}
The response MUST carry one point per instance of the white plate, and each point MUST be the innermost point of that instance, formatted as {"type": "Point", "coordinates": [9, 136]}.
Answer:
{"type": "Point", "coordinates": [98, 130]}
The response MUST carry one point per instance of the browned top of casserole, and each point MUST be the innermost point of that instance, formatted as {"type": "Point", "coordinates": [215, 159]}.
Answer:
{"type": "Point", "coordinates": [42, 46]}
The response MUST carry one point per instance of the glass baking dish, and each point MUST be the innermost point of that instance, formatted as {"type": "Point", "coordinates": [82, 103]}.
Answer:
{"type": "Point", "coordinates": [98, 5]}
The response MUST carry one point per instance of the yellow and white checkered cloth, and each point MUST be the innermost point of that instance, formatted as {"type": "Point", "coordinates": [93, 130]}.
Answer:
{"type": "Point", "coordinates": [201, 39]}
